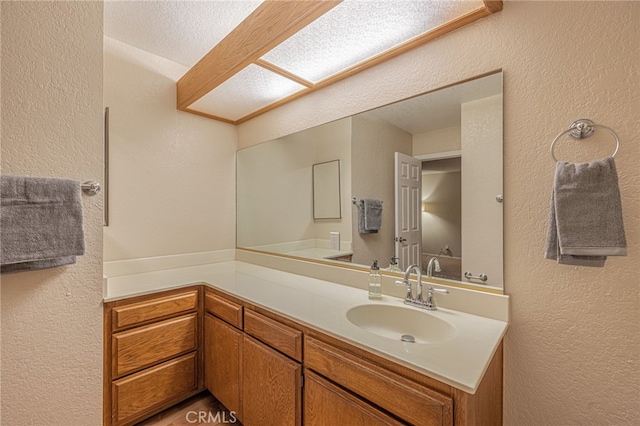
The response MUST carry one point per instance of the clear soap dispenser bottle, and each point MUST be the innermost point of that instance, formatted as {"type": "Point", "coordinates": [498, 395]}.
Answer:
{"type": "Point", "coordinates": [375, 286]}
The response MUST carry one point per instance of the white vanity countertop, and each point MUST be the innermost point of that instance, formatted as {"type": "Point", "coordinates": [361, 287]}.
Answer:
{"type": "Point", "coordinates": [459, 362]}
{"type": "Point", "coordinates": [318, 253]}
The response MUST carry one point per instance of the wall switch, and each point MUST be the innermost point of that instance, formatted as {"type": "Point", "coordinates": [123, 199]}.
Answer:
{"type": "Point", "coordinates": [334, 240]}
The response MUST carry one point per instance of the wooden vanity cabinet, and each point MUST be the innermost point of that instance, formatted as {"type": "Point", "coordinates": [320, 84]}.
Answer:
{"type": "Point", "coordinates": [252, 363]}
{"type": "Point", "coordinates": [361, 382]}
{"type": "Point", "coordinates": [151, 356]}
{"type": "Point", "coordinates": [271, 371]}
{"type": "Point", "coordinates": [410, 401]}
{"type": "Point", "coordinates": [223, 351]}
{"type": "Point", "coordinates": [328, 404]}
{"type": "Point", "coordinates": [271, 386]}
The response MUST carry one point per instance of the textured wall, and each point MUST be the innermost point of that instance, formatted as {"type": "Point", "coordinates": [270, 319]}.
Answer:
{"type": "Point", "coordinates": [373, 143]}
{"type": "Point", "coordinates": [482, 181]}
{"type": "Point", "coordinates": [441, 140]}
{"type": "Point", "coordinates": [571, 353]}
{"type": "Point", "coordinates": [52, 126]}
{"type": "Point", "coordinates": [171, 173]}
{"type": "Point", "coordinates": [279, 173]}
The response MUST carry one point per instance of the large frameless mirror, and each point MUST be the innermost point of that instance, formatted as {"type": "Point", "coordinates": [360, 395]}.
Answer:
{"type": "Point", "coordinates": [451, 140]}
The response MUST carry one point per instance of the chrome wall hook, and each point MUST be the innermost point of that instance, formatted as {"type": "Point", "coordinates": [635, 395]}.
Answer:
{"type": "Point", "coordinates": [91, 187]}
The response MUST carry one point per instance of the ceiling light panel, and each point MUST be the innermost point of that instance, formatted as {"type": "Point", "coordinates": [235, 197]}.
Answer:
{"type": "Point", "coordinates": [356, 30]}
{"type": "Point", "coordinates": [249, 90]}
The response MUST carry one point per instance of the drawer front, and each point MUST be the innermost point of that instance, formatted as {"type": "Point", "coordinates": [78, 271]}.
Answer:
{"type": "Point", "coordinates": [144, 346]}
{"type": "Point", "coordinates": [225, 309]}
{"type": "Point", "coordinates": [161, 307]}
{"type": "Point", "coordinates": [279, 336]}
{"type": "Point", "coordinates": [327, 404]}
{"type": "Point", "coordinates": [151, 389]}
{"type": "Point", "coordinates": [409, 400]}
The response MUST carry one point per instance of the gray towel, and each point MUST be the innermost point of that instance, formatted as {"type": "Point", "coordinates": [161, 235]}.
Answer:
{"type": "Point", "coordinates": [40, 223]}
{"type": "Point", "coordinates": [369, 216]}
{"type": "Point", "coordinates": [585, 219]}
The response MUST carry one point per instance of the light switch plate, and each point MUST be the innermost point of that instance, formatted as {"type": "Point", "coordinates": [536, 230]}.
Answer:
{"type": "Point", "coordinates": [334, 240]}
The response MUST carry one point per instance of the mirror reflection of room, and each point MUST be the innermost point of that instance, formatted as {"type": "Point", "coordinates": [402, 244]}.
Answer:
{"type": "Point", "coordinates": [453, 132]}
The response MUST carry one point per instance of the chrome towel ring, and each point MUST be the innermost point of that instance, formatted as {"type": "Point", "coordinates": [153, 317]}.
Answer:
{"type": "Point", "coordinates": [582, 129]}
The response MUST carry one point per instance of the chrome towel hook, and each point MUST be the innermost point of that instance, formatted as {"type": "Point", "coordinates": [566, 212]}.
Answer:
{"type": "Point", "coordinates": [582, 129]}
{"type": "Point", "coordinates": [91, 187]}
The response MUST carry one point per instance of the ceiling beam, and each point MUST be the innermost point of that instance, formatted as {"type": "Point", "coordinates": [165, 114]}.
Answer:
{"type": "Point", "coordinates": [269, 25]}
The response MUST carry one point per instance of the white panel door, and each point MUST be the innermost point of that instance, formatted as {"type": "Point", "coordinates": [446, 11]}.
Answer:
{"type": "Point", "coordinates": [408, 187]}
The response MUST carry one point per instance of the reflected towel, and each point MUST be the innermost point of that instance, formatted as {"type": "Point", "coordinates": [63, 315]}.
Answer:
{"type": "Point", "coordinates": [40, 223]}
{"type": "Point", "coordinates": [369, 216]}
{"type": "Point", "coordinates": [585, 218]}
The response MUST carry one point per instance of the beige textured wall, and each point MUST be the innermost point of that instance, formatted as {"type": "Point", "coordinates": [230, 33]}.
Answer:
{"type": "Point", "coordinates": [441, 140]}
{"type": "Point", "coordinates": [373, 143]}
{"type": "Point", "coordinates": [441, 224]}
{"type": "Point", "coordinates": [52, 127]}
{"type": "Point", "coordinates": [275, 196]}
{"type": "Point", "coordinates": [482, 181]}
{"type": "Point", "coordinates": [172, 173]}
{"type": "Point", "coordinates": [571, 353]}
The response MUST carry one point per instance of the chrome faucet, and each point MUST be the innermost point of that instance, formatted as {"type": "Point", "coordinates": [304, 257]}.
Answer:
{"type": "Point", "coordinates": [417, 301]}
{"type": "Point", "coordinates": [433, 261]}
{"type": "Point", "coordinates": [408, 298]}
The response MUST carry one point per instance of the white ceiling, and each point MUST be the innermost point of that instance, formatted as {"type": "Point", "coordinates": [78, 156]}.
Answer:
{"type": "Point", "coordinates": [182, 31]}
{"type": "Point", "coordinates": [439, 109]}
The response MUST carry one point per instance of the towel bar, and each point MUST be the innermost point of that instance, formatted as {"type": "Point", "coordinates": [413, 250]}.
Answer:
{"type": "Point", "coordinates": [357, 202]}
{"type": "Point", "coordinates": [582, 129]}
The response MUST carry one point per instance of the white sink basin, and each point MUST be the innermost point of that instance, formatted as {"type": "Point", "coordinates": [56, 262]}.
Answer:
{"type": "Point", "coordinates": [401, 324]}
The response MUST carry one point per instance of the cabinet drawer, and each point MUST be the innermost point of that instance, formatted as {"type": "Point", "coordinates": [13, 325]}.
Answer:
{"type": "Point", "coordinates": [161, 307]}
{"type": "Point", "coordinates": [149, 389]}
{"type": "Point", "coordinates": [223, 308]}
{"type": "Point", "coordinates": [327, 404]}
{"type": "Point", "coordinates": [411, 401]}
{"type": "Point", "coordinates": [147, 345]}
{"type": "Point", "coordinates": [279, 336]}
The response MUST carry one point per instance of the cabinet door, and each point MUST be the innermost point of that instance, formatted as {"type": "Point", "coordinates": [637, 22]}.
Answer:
{"type": "Point", "coordinates": [327, 404]}
{"type": "Point", "coordinates": [271, 386]}
{"type": "Point", "coordinates": [222, 356]}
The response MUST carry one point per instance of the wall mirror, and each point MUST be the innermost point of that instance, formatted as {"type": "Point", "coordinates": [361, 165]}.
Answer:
{"type": "Point", "coordinates": [326, 190]}
{"type": "Point", "coordinates": [453, 139]}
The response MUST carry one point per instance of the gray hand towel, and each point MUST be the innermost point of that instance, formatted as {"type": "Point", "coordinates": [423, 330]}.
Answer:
{"type": "Point", "coordinates": [585, 218]}
{"type": "Point", "coordinates": [370, 216]}
{"type": "Point", "coordinates": [40, 223]}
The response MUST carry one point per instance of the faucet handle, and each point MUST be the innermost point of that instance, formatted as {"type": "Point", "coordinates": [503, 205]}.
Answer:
{"type": "Point", "coordinates": [402, 282]}
{"type": "Point", "coordinates": [430, 303]}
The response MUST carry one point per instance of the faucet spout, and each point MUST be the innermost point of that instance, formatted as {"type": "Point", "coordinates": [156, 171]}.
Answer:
{"type": "Point", "coordinates": [433, 261]}
{"type": "Point", "coordinates": [407, 273]}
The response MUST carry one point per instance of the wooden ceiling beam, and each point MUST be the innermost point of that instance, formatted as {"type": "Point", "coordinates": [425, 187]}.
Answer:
{"type": "Point", "coordinates": [269, 25]}
{"type": "Point", "coordinates": [439, 31]}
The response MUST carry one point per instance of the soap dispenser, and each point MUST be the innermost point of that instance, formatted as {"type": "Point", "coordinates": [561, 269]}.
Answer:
{"type": "Point", "coordinates": [393, 265]}
{"type": "Point", "coordinates": [375, 286]}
